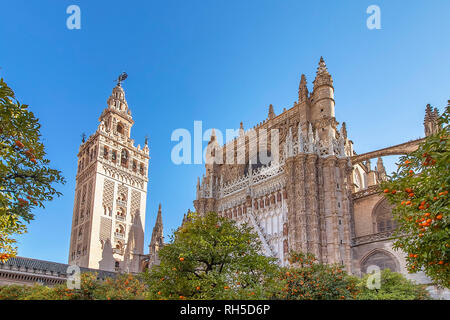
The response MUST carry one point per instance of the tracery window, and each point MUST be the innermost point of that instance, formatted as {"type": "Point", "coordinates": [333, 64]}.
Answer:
{"type": "Point", "coordinates": [381, 259]}
{"type": "Point", "coordinates": [382, 217]}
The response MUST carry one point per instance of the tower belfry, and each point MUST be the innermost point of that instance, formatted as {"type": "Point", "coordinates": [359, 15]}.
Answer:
{"type": "Point", "coordinates": [110, 192]}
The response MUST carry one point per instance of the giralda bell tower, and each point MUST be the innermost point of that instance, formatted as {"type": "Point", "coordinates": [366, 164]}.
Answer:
{"type": "Point", "coordinates": [110, 193]}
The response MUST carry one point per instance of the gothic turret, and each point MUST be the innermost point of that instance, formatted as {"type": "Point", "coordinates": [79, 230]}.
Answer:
{"type": "Point", "coordinates": [322, 109]}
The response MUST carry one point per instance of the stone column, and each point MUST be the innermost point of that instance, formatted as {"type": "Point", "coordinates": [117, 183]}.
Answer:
{"type": "Point", "coordinates": [312, 205]}
{"type": "Point", "coordinates": [346, 171]}
{"type": "Point", "coordinates": [330, 210]}
{"type": "Point", "coordinates": [292, 232]}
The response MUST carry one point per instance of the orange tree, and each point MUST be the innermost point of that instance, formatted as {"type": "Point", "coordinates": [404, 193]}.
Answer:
{"type": "Point", "coordinates": [419, 192]}
{"type": "Point", "coordinates": [123, 287]}
{"type": "Point", "coordinates": [210, 257]}
{"type": "Point", "coordinates": [26, 180]}
{"type": "Point", "coordinates": [307, 279]}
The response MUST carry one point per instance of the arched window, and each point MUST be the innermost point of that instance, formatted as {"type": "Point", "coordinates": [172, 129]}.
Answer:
{"type": "Point", "coordinates": [120, 128]}
{"type": "Point", "coordinates": [382, 217]}
{"type": "Point", "coordinates": [120, 229]}
{"type": "Point", "coordinates": [358, 179]}
{"type": "Point", "coordinates": [380, 258]}
{"type": "Point", "coordinates": [116, 265]}
{"type": "Point", "coordinates": [124, 158]}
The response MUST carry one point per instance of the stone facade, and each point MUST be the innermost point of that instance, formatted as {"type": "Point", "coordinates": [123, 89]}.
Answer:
{"type": "Point", "coordinates": [110, 194]}
{"type": "Point", "coordinates": [317, 194]}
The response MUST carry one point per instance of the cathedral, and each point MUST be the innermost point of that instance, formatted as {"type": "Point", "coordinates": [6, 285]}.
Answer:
{"type": "Point", "coordinates": [318, 195]}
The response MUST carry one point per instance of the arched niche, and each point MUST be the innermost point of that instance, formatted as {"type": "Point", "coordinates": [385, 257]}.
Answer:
{"type": "Point", "coordinates": [380, 258]}
{"type": "Point", "coordinates": [382, 218]}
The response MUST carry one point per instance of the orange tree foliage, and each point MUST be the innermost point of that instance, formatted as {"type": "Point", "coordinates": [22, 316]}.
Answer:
{"type": "Point", "coordinates": [308, 279]}
{"type": "Point", "coordinates": [210, 257]}
{"type": "Point", "coordinates": [26, 179]}
{"type": "Point", "coordinates": [124, 287]}
{"type": "Point", "coordinates": [419, 192]}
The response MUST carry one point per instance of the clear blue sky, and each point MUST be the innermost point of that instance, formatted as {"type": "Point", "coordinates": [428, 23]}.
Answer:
{"type": "Point", "coordinates": [218, 61]}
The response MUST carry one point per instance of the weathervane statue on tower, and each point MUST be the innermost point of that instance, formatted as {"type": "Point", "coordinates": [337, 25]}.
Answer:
{"type": "Point", "coordinates": [121, 78]}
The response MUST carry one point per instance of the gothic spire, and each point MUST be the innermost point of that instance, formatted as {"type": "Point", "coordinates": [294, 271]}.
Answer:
{"type": "Point", "coordinates": [436, 114]}
{"type": "Point", "coordinates": [159, 217]}
{"type": "Point", "coordinates": [430, 121]}
{"type": "Point", "coordinates": [344, 130]}
{"type": "Point", "coordinates": [213, 135]}
{"type": "Point", "coordinates": [381, 169]}
{"type": "Point", "coordinates": [157, 240]}
{"type": "Point", "coordinates": [322, 75]}
{"type": "Point", "coordinates": [271, 112]}
{"type": "Point", "coordinates": [302, 90]}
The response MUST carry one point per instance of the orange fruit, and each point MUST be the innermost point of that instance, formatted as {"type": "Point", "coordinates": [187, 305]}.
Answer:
{"type": "Point", "coordinates": [19, 144]}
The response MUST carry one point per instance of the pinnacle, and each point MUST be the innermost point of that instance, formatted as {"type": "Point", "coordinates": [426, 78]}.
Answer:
{"type": "Point", "coordinates": [159, 217]}
{"type": "Point", "coordinates": [271, 112]}
{"type": "Point", "coordinates": [213, 135]}
{"type": "Point", "coordinates": [322, 69]}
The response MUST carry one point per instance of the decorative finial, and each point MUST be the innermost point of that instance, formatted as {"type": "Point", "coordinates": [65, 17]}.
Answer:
{"type": "Point", "coordinates": [271, 112]}
{"type": "Point", "coordinates": [322, 66]}
{"type": "Point", "coordinates": [121, 78]}
{"type": "Point", "coordinates": [322, 75]}
{"type": "Point", "coordinates": [83, 137]}
{"type": "Point", "coordinates": [146, 139]}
